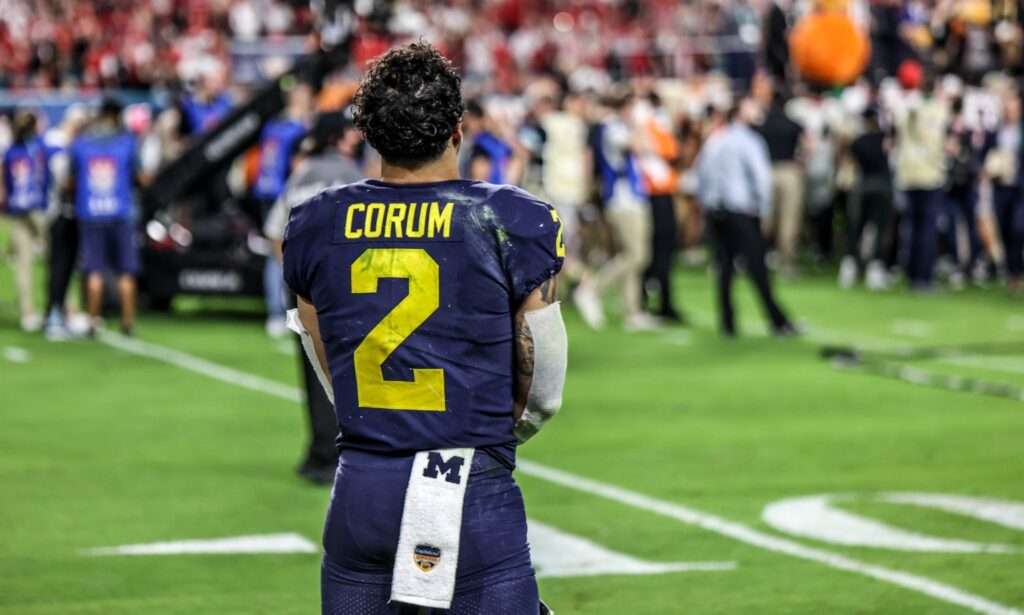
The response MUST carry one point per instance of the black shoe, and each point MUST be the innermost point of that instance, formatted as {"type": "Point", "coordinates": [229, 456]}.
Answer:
{"type": "Point", "coordinates": [786, 330]}
{"type": "Point", "coordinates": [319, 475]}
{"type": "Point", "coordinates": [127, 330]}
{"type": "Point", "coordinates": [674, 318]}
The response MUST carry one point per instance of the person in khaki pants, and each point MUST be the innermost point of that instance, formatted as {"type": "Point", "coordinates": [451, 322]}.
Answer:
{"type": "Point", "coordinates": [629, 219]}
{"type": "Point", "coordinates": [23, 202]}
{"type": "Point", "coordinates": [784, 137]}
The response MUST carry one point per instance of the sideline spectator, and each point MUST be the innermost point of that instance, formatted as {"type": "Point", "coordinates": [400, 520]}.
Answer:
{"type": "Point", "coordinates": [629, 219]}
{"type": "Point", "coordinates": [26, 186]}
{"type": "Point", "coordinates": [871, 206]}
{"type": "Point", "coordinates": [61, 324]}
{"type": "Point", "coordinates": [330, 161]}
{"type": "Point", "coordinates": [734, 187]}
{"type": "Point", "coordinates": [1003, 174]}
{"type": "Point", "coordinates": [566, 179]}
{"type": "Point", "coordinates": [279, 143]}
{"type": "Point", "coordinates": [104, 171]}
{"type": "Point", "coordinates": [921, 127]}
{"type": "Point", "coordinates": [657, 163]}
{"type": "Point", "coordinates": [783, 222]}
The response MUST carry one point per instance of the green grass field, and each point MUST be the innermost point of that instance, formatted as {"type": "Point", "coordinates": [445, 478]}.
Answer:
{"type": "Point", "coordinates": [101, 446]}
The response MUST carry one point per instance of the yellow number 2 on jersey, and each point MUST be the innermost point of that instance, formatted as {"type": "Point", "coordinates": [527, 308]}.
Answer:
{"type": "Point", "coordinates": [426, 390]}
{"type": "Point", "coordinates": [560, 238]}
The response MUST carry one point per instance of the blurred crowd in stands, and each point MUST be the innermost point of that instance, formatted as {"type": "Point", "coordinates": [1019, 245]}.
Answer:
{"type": "Point", "coordinates": [603, 107]}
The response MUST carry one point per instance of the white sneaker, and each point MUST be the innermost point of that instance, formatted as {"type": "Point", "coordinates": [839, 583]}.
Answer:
{"type": "Point", "coordinates": [876, 278]}
{"type": "Point", "coordinates": [957, 281]}
{"type": "Point", "coordinates": [277, 327]}
{"type": "Point", "coordinates": [57, 333]}
{"type": "Point", "coordinates": [589, 305]}
{"type": "Point", "coordinates": [847, 272]}
{"type": "Point", "coordinates": [641, 321]}
{"type": "Point", "coordinates": [30, 323]}
{"type": "Point", "coordinates": [78, 324]}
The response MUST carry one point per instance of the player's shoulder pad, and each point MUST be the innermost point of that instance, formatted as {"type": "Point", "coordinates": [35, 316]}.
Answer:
{"type": "Point", "coordinates": [521, 214]}
{"type": "Point", "coordinates": [312, 215]}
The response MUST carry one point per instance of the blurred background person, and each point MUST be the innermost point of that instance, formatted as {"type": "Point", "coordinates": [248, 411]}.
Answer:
{"type": "Point", "coordinates": [331, 159]}
{"type": "Point", "coordinates": [657, 161]}
{"type": "Point", "coordinates": [735, 188]}
{"type": "Point", "coordinates": [965, 145]}
{"type": "Point", "coordinates": [921, 127]}
{"type": "Point", "coordinates": [26, 186]}
{"type": "Point", "coordinates": [870, 208]}
{"type": "Point", "coordinates": [491, 155]}
{"type": "Point", "coordinates": [628, 216]}
{"type": "Point", "coordinates": [278, 147]}
{"type": "Point", "coordinates": [62, 322]}
{"type": "Point", "coordinates": [566, 172]}
{"type": "Point", "coordinates": [1002, 174]}
{"type": "Point", "coordinates": [104, 173]}
{"type": "Point", "coordinates": [783, 222]}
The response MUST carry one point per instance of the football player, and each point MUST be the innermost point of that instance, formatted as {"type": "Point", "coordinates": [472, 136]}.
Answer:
{"type": "Point", "coordinates": [429, 302]}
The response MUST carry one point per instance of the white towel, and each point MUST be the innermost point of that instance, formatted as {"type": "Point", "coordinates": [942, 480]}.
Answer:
{"type": "Point", "coordinates": [295, 324]}
{"type": "Point", "coordinates": [427, 558]}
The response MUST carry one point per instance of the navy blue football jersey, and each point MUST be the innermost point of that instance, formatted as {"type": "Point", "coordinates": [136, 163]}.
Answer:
{"type": "Point", "coordinates": [416, 287]}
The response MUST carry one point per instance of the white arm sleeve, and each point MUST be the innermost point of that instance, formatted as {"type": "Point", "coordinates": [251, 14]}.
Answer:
{"type": "Point", "coordinates": [295, 324]}
{"type": "Point", "coordinates": [551, 357]}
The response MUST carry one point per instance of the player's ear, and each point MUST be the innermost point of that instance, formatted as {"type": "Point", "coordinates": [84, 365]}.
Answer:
{"type": "Point", "coordinates": [457, 136]}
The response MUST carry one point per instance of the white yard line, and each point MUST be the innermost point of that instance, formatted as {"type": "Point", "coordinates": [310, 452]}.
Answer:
{"type": "Point", "coordinates": [678, 512]}
{"type": "Point", "coordinates": [745, 534]}
{"type": "Point", "coordinates": [248, 545]}
{"type": "Point", "coordinates": [200, 366]}
{"type": "Point", "coordinates": [15, 354]}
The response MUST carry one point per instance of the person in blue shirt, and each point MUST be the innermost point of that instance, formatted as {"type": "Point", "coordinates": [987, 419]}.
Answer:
{"type": "Point", "coordinates": [490, 157]}
{"type": "Point", "coordinates": [104, 172]}
{"type": "Point", "coordinates": [206, 106]}
{"type": "Point", "coordinates": [278, 148]}
{"type": "Point", "coordinates": [26, 185]}
{"type": "Point", "coordinates": [423, 296]}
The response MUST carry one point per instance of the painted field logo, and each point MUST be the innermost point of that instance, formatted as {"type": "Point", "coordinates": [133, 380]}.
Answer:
{"type": "Point", "coordinates": [426, 557]}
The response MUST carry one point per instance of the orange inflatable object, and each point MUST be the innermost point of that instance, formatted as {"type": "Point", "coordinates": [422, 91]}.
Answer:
{"type": "Point", "coordinates": [829, 49]}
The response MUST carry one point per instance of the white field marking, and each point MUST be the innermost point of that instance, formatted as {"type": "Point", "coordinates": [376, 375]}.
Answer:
{"type": "Point", "coordinates": [1001, 512]}
{"type": "Point", "coordinates": [195, 364]}
{"type": "Point", "coordinates": [560, 554]}
{"type": "Point", "coordinates": [690, 516]}
{"type": "Point", "coordinates": [911, 328]}
{"type": "Point", "coordinates": [812, 332]}
{"type": "Point", "coordinates": [261, 543]}
{"type": "Point", "coordinates": [825, 335]}
{"type": "Point", "coordinates": [815, 517]}
{"type": "Point", "coordinates": [285, 347]}
{"type": "Point", "coordinates": [678, 338]}
{"type": "Point", "coordinates": [1005, 364]}
{"type": "Point", "coordinates": [742, 533]}
{"type": "Point", "coordinates": [15, 354]}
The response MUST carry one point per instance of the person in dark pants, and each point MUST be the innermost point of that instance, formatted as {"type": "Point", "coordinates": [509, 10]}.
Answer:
{"type": "Point", "coordinates": [923, 220]}
{"type": "Point", "coordinates": [331, 152]}
{"type": "Point", "coordinates": [871, 204]}
{"type": "Point", "coordinates": [920, 144]}
{"type": "Point", "coordinates": [664, 247]}
{"type": "Point", "coordinates": [657, 166]}
{"type": "Point", "coordinates": [966, 147]}
{"type": "Point", "coordinates": [1004, 174]}
{"type": "Point", "coordinates": [734, 185]}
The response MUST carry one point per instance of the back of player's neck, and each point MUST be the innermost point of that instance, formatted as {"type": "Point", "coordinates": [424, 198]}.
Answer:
{"type": "Point", "coordinates": [445, 168]}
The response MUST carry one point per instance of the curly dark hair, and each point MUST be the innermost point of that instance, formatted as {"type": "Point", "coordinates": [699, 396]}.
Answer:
{"type": "Point", "coordinates": [409, 104]}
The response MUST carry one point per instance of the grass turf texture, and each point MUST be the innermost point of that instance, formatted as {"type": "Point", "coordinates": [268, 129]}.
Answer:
{"type": "Point", "coordinates": [99, 447]}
